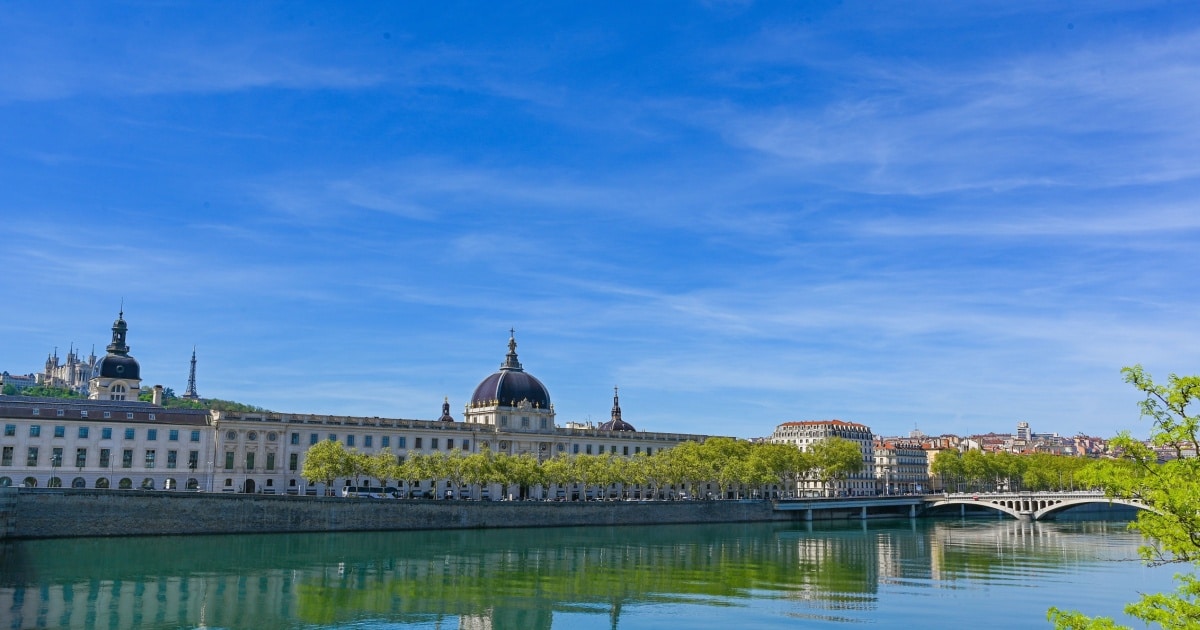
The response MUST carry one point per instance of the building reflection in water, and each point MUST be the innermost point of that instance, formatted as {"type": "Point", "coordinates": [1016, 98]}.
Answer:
{"type": "Point", "coordinates": [496, 579]}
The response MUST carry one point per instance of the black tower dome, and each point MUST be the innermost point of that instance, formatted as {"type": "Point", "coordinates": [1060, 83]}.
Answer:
{"type": "Point", "coordinates": [117, 363]}
{"type": "Point", "coordinates": [511, 385]}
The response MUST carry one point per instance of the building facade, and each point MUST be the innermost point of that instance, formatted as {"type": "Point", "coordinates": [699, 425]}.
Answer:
{"type": "Point", "coordinates": [900, 467]}
{"type": "Point", "coordinates": [804, 434]}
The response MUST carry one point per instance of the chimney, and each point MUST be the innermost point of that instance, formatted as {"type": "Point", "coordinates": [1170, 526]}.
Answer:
{"type": "Point", "coordinates": [158, 393]}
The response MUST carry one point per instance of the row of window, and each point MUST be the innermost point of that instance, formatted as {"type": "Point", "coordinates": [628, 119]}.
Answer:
{"type": "Point", "coordinates": [106, 433]}
{"type": "Point", "coordinates": [150, 457]}
{"type": "Point", "coordinates": [80, 482]}
{"type": "Point", "coordinates": [83, 413]}
{"type": "Point", "coordinates": [293, 461]}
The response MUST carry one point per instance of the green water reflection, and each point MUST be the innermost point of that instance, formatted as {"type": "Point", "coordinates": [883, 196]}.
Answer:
{"type": "Point", "coordinates": [758, 575]}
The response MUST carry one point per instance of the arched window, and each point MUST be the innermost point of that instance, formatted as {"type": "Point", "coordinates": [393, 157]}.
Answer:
{"type": "Point", "coordinates": [78, 482]}
{"type": "Point", "coordinates": [102, 482]}
{"type": "Point", "coordinates": [125, 483]}
{"type": "Point", "coordinates": [118, 389]}
{"type": "Point", "coordinates": [170, 484]}
{"type": "Point", "coordinates": [29, 482]}
{"type": "Point", "coordinates": [147, 484]}
{"type": "Point", "coordinates": [55, 482]}
{"type": "Point", "coordinates": [192, 484]}
{"type": "Point", "coordinates": [5, 482]}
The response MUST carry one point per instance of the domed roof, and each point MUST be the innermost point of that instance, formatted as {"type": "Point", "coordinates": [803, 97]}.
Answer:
{"type": "Point", "coordinates": [616, 423]}
{"type": "Point", "coordinates": [117, 363]}
{"type": "Point", "coordinates": [118, 366]}
{"type": "Point", "coordinates": [511, 385]}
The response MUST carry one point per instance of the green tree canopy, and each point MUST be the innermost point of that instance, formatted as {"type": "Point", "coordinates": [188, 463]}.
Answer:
{"type": "Point", "coordinates": [1171, 488]}
{"type": "Point", "coordinates": [835, 458]}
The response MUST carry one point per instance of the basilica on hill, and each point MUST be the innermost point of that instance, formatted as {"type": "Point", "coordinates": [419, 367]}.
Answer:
{"type": "Point", "coordinates": [112, 440]}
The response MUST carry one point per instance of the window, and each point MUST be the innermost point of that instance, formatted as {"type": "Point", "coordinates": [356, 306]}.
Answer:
{"type": "Point", "coordinates": [35, 430]}
{"type": "Point", "coordinates": [313, 438]}
{"type": "Point", "coordinates": [228, 460]}
{"type": "Point", "coordinates": [61, 412]}
{"type": "Point", "coordinates": [574, 448]}
{"type": "Point", "coordinates": [173, 435]}
{"type": "Point", "coordinates": [542, 423]}
{"type": "Point", "coordinates": [6, 456]}
{"type": "Point", "coordinates": [32, 457]}
{"type": "Point", "coordinates": [400, 442]}
{"type": "Point", "coordinates": [293, 461]}
{"type": "Point", "coordinates": [151, 435]}
{"type": "Point", "coordinates": [150, 458]}
{"type": "Point", "coordinates": [83, 433]}
{"type": "Point", "coordinates": [466, 446]}
{"type": "Point", "coordinates": [37, 411]}
{"type": "Point", "coordinates": [503, 421]}
{"type": "Point", "coordinates": [332, 437]}
{"type": "Point", "coordinates": [367, 441]}
{"type": "Point", "coordinates": [349, 440]}
{"type": "Point", "coordinates": [271, 437]}
{"type": "Point", "coordinates": [295, 438]}
{"type": "Point", "coordinates": [625, 450]}
{"type": "Point", "coordinates": [195, 436]}
{"type": "Point", "coordinates": [589, 449]}
{"type": "Point", "coordinates": [524, 422]}
{"type": "Point", "coordinates": [83, 413]}
{"type": "Point", "coordinates": [649, 451]}
{"type": "Point", "coordinates": [80, 457]}
{"type": "Point", "coordinates": [433, 444]}
{"type": "Point", "coordinates": [449, 444]}
{"type": "Point", "coordinates": [172, 458]}
{"type": "Point", "coordinates": [151, 416]}
{"type": "Point", "coordinates": [129, 415]}
{"type": "Point", "coordinates": [107, 414]}
{"type": "Point", "coordinates": [249, 461]}
{"type": "Point", "coordinates": [416, 442]}
{"type": "Point", "coordinates": [252, 436]}
{"type": "Point", "coordinates": [10, 430]}
{"type": "Point", "coordinates": [128, 434]}
{"type": "Point", "coordinates": [105, 456]}
{"type": "Point", "coordinates": [385, 441]}
{"type": "Point", "coordinates": [612, 448]}
{"type": "Point", "coordinates": [270, 461]}
{"type": "Point", "coordinates": [106, 433]}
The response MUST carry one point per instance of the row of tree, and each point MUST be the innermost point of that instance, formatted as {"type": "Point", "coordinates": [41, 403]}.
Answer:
{"type": "Point", "coordinates": [976, 471]}
{"type": "Point", "coordinates": [735, 466]}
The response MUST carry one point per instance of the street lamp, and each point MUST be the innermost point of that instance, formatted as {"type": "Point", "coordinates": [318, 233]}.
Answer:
{"type": "Point", "coordinates": [55, 462]}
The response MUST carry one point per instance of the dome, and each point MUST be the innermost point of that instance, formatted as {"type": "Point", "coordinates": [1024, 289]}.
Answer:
{"type": "Point", "coordinates": [616, 423]}
{"type": "Point", "coordinates": [118, 366]}
{"type": "Point", "coordinates": [510, 388]}
{"type": "Point", "coordinates": [511, 385]}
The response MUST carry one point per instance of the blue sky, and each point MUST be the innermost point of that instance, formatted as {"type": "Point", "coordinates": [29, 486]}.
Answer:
{"type": "Point", "coordinates": [951, 216]}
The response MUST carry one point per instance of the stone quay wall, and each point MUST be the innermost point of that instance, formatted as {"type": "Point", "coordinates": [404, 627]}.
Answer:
{"type": "Point", "coordinates": [66, 513]}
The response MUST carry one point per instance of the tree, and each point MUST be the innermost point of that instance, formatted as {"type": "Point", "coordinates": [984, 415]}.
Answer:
{"type": "Point", "coordinates": [835, 458]}
{"type": "Point", "coordinates": [325, 461]}
{"type": "Point", "coordinates": [1171, 488]}
{"type": "Point", "coordinates": [382, 466]}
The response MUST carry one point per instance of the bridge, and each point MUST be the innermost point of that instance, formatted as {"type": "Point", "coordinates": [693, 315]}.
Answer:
{"type": "Point", "coordinates": [1027, 505]}
{"type": "Point", "coordinates": [1019, 505]}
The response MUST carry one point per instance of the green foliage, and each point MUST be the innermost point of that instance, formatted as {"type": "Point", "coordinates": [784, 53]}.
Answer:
{"type": "Point", "coordinates": [44, 391]}
{"type": "Point", "coordinates": [1170, 488]}
{"type": "Point", "coordinates": [325, 461]}
{"type": "Point", "coordinates": [9, 390]}
{"type": "Point", "coordinates": [835, 458]}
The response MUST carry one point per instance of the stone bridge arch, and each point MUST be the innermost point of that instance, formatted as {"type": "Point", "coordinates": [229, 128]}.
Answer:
{"type": "Point", "coordinates": [1034, 506]}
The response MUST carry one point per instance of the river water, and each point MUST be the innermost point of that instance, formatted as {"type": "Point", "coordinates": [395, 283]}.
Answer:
{"type": "Point", "coordinates": [890, 574]}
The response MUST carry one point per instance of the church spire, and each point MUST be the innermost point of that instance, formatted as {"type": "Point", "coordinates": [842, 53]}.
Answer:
{"type": "Point", "coordinates": [616, 410]}
{"type": "Point", "coordinates": [191, 394]}
{"type": "Point", "coordinates": [510, 360]}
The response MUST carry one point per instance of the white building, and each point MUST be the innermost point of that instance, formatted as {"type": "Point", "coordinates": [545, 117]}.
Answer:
{"type": "Point", "coordinates": [805, 433]}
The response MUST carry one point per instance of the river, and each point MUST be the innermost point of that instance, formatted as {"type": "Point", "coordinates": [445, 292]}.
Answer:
{"type": "Point", "coordinates": [904, 574]}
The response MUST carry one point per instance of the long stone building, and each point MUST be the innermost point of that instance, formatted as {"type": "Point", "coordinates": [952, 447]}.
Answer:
{"type": "Point", "coordinates": [112, 440]}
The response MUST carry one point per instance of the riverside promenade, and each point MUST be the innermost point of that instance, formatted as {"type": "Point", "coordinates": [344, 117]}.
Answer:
{"type": "Point", "coordinates": [27, 513]}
